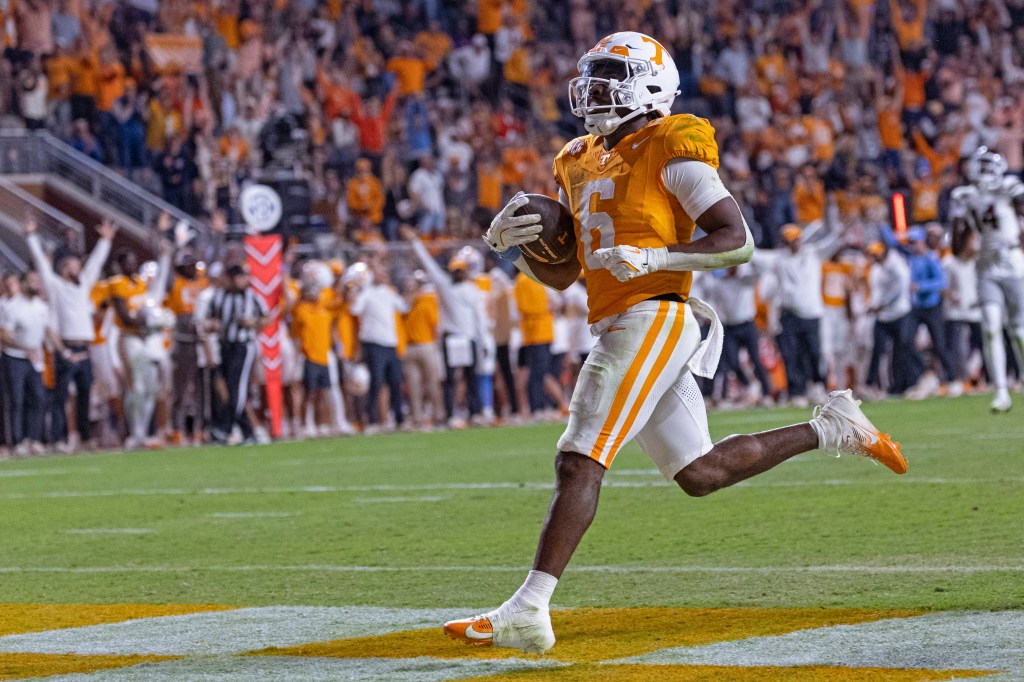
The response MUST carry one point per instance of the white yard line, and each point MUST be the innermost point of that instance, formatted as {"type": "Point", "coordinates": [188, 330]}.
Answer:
{"type": "Point", "coordinates": [424, 498]}
{"type": "Point", "coordinates": [109, 531]}
{"type": "Point", "coordinates": [20, 473]}
{"type": "Point", "coordinates": [251, 515]}
{"type": "Point", "coordinates": [495, 485]}
{"type": "Point", "coordinates": [334, 568]}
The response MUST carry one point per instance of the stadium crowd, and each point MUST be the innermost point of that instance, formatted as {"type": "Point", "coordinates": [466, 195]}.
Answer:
{"type": "Point", "coordinates": [416, 120]}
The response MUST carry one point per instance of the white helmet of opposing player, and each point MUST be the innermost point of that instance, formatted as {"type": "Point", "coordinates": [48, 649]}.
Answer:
{"type": "Point", "coordinates": [626, 70]}
{"type": "Point", "coordinates": [986, 169]}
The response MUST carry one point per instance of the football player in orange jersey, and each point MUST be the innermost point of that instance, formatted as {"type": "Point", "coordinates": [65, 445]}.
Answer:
{"type": "Point", "coordinates": [637, 187]}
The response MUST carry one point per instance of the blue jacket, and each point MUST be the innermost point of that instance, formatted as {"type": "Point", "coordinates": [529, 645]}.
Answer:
{"type": "Point", "coordinates": [927, 273]}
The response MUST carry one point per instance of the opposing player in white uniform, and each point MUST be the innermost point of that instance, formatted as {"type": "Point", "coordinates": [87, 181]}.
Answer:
{"type": "Point", "coordinates": [637, 185]}
{"type": "Point", "coordinates": [991, 206]}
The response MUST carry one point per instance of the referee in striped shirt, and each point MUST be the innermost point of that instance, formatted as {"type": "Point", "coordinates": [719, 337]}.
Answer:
{"type": "Point", "coordinates": [238, 315]}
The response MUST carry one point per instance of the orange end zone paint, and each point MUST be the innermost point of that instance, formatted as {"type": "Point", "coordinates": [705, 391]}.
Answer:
{"type": "Point", "coordinates": [25, 666]}
{"type": "Point", "coordinates": [590, 635]}
{"type": "Point", "coordinates": [20, 618]}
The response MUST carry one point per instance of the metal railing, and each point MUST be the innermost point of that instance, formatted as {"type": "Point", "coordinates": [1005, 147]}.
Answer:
{"type": "Point", "coordinates": [19, 205]}
{"type": "Point", "coordinates": [23, 151]}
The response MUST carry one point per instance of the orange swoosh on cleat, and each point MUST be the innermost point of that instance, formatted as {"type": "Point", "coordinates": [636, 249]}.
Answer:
{"type": "Point", "coordinates": [887, 451]}
{"type": "Point", "coordinates": [476, 631]}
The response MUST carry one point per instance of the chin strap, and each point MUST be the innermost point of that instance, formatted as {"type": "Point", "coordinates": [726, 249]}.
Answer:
{"type": "Point", "coordinates": [607, 126]}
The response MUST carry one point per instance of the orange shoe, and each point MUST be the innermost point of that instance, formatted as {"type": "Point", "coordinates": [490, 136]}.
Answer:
{"type": "Point", "coordinates": [844, 428]}
{"type": "Point", "coordinates": [513, 625]}
{"type": "Point", "coordinates": [475, 631]}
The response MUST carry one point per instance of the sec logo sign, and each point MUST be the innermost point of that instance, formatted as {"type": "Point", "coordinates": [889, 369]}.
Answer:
{"type": "Point", "coordinates": [261, 207]}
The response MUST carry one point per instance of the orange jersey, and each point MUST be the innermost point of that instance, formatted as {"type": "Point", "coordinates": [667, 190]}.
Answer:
{"type": "Point", "coordinates": [184, 293]}
{"type": "Point", "coordinates": [100, 295]}
{"type": "Point", "coordinates": [835, 283]}
{"type": "Point", "coordinates": [618, 198]}
{"type": "Point", "coordinates": [347, 327]}
{"type": "Point", "coordinates": [311, 327]}
{"type": "Point", "coordinates": [535, 319]}
{"type": "Point", "coordinates": [130, 289]}
{"type": "Point", "coordinates": [422, 318]}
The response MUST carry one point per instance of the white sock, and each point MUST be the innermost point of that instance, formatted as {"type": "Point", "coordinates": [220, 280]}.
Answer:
{"type": "Point", "coordinates": [536, 591]}
{"type": "Point", "coordinates": [820, 432]}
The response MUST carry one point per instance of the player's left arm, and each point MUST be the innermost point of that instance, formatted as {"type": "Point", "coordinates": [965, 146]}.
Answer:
{"type": "Point", "coordinates": [700, 192]}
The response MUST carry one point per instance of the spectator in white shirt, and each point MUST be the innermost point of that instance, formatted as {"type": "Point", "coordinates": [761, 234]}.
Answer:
{"type": "Point", "coordinates": [470, 65]}
{"type": "Point", "coordinates": [426, 190]}
{"type": "Point", "coordinates": [23, 330]}
{"type": "Point", "coordinates": [734, 299]}
{"type": "Point", "coordinates": [963, 311]}
{"type": "Point", "coordinates": [34, 89]}
{"type": "Point", "coordinates": [377, 305]}
{"type": "Point", "coordinates": [890, 303]}
{"type": "Point", "coordinates": [68, 286]}
{"type": "Point", "coordinates": [463, 324]}
{"type": "Point", "coordinates": [797, 267]}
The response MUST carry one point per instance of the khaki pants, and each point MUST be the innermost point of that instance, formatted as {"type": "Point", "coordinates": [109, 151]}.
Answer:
{"type": "Point", "coordinates": [422, 368]}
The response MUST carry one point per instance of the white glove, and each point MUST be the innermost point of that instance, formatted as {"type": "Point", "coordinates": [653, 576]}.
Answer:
{"type": "Point", "coordinates": [627, 262]}
{"type": "Point", "coordinates": [508, 231]}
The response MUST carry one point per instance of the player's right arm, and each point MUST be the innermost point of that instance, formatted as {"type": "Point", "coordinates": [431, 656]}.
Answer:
{"type": "Point", "coordinates": [508, 232]}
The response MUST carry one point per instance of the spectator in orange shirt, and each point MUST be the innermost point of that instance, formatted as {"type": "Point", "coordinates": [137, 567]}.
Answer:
{"type": "Point", "coordinates": [372, 119]}
{"type": "Point", "coordinates": [234, 148]}
{"type": "Point", "coordinates": [434, 44]}
{"type": "Point", "coordinates": [809, 195]}
{"type": "Point", "coordinates": [364, 194]}
{"type": "Point", "coordinates": [409, 69]}
{"type": "Point", "coordinates": [335, 95]}
{"type": "Point", "coordinates": [84, 82]}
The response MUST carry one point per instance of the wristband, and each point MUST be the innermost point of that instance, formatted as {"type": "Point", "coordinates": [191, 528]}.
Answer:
{"type": "Point", "coordinates": [512, 253]}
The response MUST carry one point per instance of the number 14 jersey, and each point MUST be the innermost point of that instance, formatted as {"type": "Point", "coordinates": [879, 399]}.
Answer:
{"type": "Point", "coordinates": [992, 215]}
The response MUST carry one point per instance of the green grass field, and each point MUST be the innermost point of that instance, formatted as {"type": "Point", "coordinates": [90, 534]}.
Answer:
{"type": "Point", "coordinates": [451, 519]}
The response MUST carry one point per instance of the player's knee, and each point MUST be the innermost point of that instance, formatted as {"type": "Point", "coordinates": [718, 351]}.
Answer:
{"type": "Point", "coordinates": [696, 480]}
{"type": "Point", "coordinates": [575, 469]}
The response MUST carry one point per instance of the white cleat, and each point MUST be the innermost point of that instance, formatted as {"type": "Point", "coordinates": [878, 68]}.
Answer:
{"type": "Point", "coordinates": [515, 627]}
{"type": "Point", "coordinates": [843, 428]}
{"type": "Point", "coordinates": [1002, 401]}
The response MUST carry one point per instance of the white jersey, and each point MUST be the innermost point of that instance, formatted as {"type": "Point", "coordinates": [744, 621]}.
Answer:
{"type": "Point", "coordinates": [992, 215]}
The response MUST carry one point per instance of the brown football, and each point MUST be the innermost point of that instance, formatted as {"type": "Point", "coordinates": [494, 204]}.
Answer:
{"type": "Point", "coordinates": [556, 243]}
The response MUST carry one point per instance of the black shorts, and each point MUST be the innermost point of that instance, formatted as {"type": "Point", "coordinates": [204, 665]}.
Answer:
{"type": "Point", "coordinates": [315, 377]}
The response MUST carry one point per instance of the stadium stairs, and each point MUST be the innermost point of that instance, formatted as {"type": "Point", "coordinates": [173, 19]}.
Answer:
{"type": "Point", "coordinates": [66, 190]}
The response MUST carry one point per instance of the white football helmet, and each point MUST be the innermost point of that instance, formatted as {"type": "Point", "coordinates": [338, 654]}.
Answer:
{"type": "Point", "coordinates": [359, 275]}
{"type": "Point", "coordinates": [472, 258]}
{"type": "Point", "coordinates": [986, 169]}
{"type": "Point", "coordinates": [626, 70]}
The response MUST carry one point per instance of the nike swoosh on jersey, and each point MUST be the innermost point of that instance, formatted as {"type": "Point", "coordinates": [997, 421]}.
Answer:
{"type": "Point", "coordinates": [473, 634]}
{"type": "Point", "coordinates": [637, 144]}
{"type": "Point", "coordinates": [615, 329]}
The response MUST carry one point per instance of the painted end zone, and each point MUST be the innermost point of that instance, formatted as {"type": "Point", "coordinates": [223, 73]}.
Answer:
{"type": "Point", "coordinates": [376, 644]}
{"type": "Point", "coordinates": [591, 635]}
{"type": "Point", "coordinates": [700, 673]}
{"type": "Point", "coordinates": [20, 618]}
{"type": "Point", "coordinates": [23, 666]}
